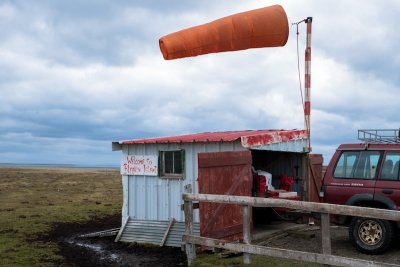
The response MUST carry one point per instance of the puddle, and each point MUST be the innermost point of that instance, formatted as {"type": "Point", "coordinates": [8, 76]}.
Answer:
{"type": "Point", "coordinates": [99, 250]}
{"type": "Point", "coordinates": [104, 252]}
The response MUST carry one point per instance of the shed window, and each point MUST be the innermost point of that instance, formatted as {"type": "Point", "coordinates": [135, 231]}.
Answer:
{"type": "Point", "coordinates": [172, 163]}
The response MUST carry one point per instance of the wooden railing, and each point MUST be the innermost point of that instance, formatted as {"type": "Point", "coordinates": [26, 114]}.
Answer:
{"type": "Point", "coordinates": [247, 202]}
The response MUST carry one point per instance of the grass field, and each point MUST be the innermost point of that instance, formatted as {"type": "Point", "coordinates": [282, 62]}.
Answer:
{"type": "Point", "coordinates": [33, 200]}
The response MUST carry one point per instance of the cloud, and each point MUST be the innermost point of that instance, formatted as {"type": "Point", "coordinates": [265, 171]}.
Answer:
{"type": "Point", "coordinates": [76, 75]}
{"type": "Point", "coordinates": [25, 148]}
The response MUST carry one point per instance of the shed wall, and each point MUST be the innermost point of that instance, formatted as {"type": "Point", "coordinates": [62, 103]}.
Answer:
{"type": "Point", "coordinates": [155, 198]}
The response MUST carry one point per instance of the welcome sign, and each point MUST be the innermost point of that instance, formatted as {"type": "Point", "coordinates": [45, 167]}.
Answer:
{"type": "Point", "coordinates": [139, 165]}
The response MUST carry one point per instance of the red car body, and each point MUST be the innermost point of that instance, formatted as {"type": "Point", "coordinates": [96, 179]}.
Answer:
{"type": "Point", "coordinates": [364, 175]}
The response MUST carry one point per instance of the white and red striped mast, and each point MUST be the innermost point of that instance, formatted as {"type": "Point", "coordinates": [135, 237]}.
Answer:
{"type": "Point", "coordinates": [307, 83]}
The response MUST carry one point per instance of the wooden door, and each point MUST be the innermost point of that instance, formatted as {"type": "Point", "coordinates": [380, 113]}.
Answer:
{"type": "Point", "coordinates": [315, 170]}
{"type": "Point", "coordinates": [223, 173]}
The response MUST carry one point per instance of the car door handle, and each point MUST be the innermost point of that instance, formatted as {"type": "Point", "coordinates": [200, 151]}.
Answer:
{"type": "Point", "coordinates": [387, 191]}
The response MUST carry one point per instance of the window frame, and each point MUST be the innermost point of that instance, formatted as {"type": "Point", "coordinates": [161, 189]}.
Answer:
{"type": "Point", "coordinates": [162, 164]}
{"type": "Point", "coordinates": [397, 178]}
{"type": "Point", "coordinates": [358, 154]}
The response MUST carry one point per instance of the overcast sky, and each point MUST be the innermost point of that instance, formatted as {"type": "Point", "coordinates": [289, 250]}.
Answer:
{"type": "Point", "coordinates": [76, 75]}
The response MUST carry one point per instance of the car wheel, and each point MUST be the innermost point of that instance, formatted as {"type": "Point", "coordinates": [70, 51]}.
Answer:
{"type": "Point", "coordinates": [371, 236]}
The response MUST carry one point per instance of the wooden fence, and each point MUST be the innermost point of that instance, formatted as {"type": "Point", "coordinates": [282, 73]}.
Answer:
{"type": "Point", "coordinates": [247, 202]}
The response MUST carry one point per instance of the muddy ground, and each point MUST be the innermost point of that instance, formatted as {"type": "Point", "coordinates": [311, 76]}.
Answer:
{"type": "Point", "coordinates": [103, 251]}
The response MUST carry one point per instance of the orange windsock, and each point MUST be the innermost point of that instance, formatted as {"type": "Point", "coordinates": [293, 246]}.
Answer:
{"type": "Point", "coordinates": [264, 27]}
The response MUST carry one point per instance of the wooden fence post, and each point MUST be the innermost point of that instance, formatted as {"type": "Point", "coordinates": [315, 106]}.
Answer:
{"type": "Point", "coordinates": [326, 234]}
{"type": "Point", "coordinates": [246, 232]}
{"type": "Point", "coordinates": [247, 249]}
{"type": "Point", "coordinates": [188, 210]}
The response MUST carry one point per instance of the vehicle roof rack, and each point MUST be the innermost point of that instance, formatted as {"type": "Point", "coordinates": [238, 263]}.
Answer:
{"type": "Point", "coordinates": [380, 136]}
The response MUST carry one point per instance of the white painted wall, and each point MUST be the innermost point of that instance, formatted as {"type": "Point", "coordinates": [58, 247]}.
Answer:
{"type": "Point", "coordinates": [155, 198]}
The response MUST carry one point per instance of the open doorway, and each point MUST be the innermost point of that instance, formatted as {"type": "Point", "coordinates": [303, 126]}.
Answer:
{"type": "Point", "coordinates": [279, 175]}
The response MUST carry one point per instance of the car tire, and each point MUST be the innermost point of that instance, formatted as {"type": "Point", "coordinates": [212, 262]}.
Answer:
{"type": "Point", "coordinates": [371, 236]}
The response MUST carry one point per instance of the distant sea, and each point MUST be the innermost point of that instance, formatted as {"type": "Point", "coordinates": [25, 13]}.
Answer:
{"type": "Point", "coordinates": [72, 166]}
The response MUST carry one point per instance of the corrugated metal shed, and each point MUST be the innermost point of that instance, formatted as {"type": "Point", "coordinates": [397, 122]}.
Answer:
{"type": "Point", "coordinates": [150, 199]}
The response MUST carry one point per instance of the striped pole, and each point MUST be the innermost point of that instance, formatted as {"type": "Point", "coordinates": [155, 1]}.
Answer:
{"type": "Point", "coordinates": [307, 105]}
{"type": "Point", "coordinates": [307, 83]}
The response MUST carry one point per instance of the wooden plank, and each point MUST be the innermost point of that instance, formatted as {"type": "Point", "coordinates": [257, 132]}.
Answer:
{"type": "Point", "coordinates": [326, 234]}
{"type": "Point", "coordinates": [171, 221]}
{"type": "Point", "coordinates": [212, 216]}
{"type": "Point", "coordinates": [246, 232]}
{"type": "Point", "coordinates": [234, 230]}
{"type": "Point", "coordinates": [121, 230]}
{"type": "Point", "coordinates": [221, 159]}
{"type": "Point", "coordinates": [190, 248]}
{"type": "Point", "coordinates": [195, 205]}
{"type": "Point", "coordinates": [300, 205]}
{"type": "Point", "coordinates": [283, 253]}
{"type": "Point", "coordinates": [305, 182]}
{"type": "Point", "coordinates": [223, 173]}
{"type": "Point", "coordinates": [315, 165]}
{"type": "Point", "coordinates": [109, 232]}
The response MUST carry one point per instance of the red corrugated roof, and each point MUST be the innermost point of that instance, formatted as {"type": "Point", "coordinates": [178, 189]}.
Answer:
{"type": "Point", "coordinates": [248, 138]}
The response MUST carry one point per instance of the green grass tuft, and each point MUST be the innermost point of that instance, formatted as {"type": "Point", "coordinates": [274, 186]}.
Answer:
{"type": "Point", "coordinates": [33, 200]}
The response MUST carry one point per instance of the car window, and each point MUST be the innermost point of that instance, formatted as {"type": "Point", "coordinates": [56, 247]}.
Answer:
{"type": "Point", "coordinates": [390, 167]}
{"type": "Point", "coordinates": [357, 165]}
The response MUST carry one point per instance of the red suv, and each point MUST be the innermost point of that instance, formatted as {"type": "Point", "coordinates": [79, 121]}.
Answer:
{"type": "Point", "coordinates": [366, 175]}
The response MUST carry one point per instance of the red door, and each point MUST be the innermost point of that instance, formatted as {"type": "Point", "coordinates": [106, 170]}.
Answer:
{"type": "Point", "coordinates": [223, 173]}
{"type": "Point", "coordinates": [350, 177]}
{"type": "Point", "coordinates": [315, 169]}
{"type": "Point", "coordinates": [387, 188]}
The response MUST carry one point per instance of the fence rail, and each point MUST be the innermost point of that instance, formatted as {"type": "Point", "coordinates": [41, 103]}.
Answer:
{"type": "Point", "coordinates": [247, 202]}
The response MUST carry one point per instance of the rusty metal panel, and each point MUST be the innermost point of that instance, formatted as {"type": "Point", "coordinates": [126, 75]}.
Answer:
{"type": "Point", "coordinates": [249, 138]}
{"type": "Point", "coordinates": [296, 146]}
{"type": "Point", "coordinates": [315, 165]}
{"type": "Point", "coordinates": [272, 137]}
{"type": "Point", "coordinates": [225, 173]}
